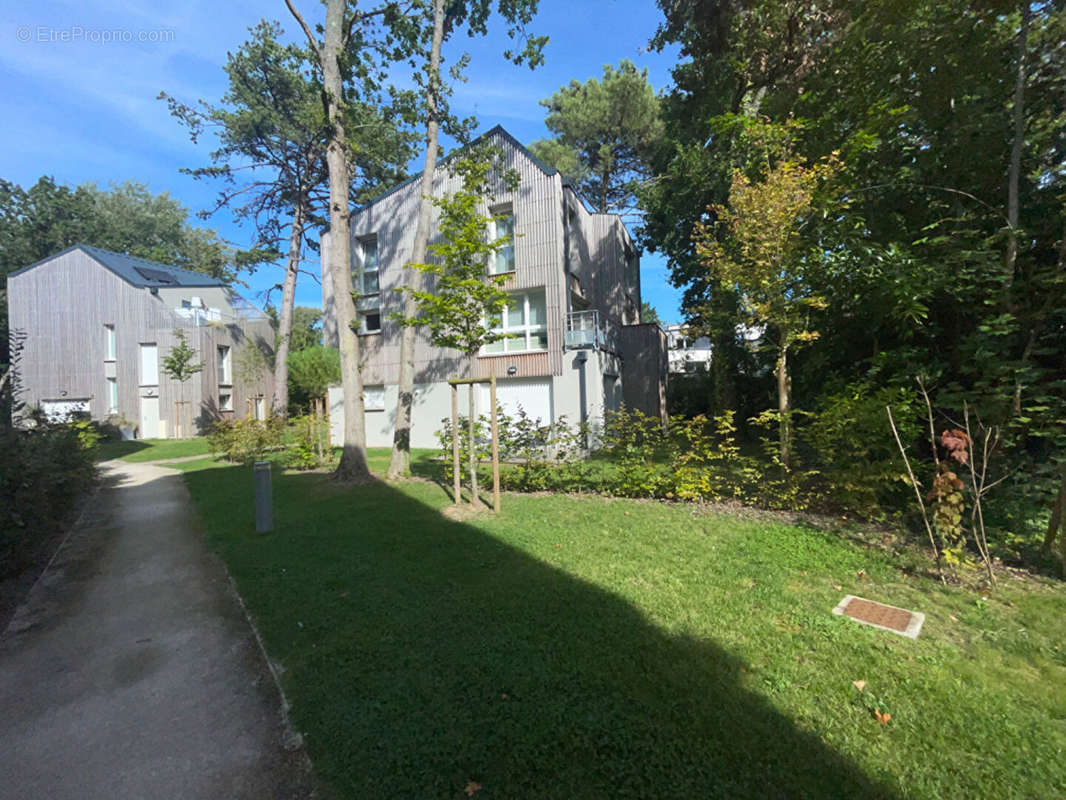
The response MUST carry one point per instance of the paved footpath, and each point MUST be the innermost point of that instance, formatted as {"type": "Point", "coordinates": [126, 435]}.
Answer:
{"type": "Point", "coordinates": [131, 671]}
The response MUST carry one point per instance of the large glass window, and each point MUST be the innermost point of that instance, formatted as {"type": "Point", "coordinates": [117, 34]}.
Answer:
{"type": "Point", "coordinates": [525, 320]}
{"type": "Point", "coordinates": [366, 282]}
{"type": "Point", "coordinates": [503, 259]}
{"type": "Point", "coordinates": [112, 395]}
{"type": "Point", "coordinates": [109, 333]}
{"type": "Point", "coordinates": [225, 373]}
{"type": "Point", "coordinates": [149, 364]}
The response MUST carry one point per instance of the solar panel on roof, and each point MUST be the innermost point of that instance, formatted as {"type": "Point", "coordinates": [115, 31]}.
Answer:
{"type": "Point", "coordinates": [155, 275]}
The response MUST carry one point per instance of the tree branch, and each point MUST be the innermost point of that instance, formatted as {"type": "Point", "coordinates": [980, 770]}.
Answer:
{"type": "Point", "coordinates": [310, 36]}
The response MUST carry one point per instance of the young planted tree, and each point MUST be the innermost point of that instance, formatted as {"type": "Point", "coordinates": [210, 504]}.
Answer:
{"type": "Point", "coordinates": [180, 364]}
{"type": "Point", "coordinates": [436, 22]}
{"type": "Point", "coordinates": [755, 245]}
{"type": "Point", "coordinates": [605, 132]}
{"type": "Point", "coordinates": [462, 296]}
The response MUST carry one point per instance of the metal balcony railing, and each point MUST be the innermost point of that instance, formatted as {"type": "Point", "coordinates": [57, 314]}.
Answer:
{"type": "Point", "coordinates": [590, 329]}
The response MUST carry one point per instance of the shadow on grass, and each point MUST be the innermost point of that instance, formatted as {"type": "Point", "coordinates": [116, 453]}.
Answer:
{"type": "Point", "coordinates": [422, 653]}
{"type": "Point", "coordinates": [106, 451]}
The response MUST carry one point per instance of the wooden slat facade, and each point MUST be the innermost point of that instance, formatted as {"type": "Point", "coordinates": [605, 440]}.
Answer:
{"type": "Point", "coordinates": [62, 306]}
{"type": "Point", "coordinates": [537, 207]}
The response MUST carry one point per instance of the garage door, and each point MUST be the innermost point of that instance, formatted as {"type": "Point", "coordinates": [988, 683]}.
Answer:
{"type": "Point", "coordinates": [60, 410]}
{"type": "Point", "coordinates": [532, 395]}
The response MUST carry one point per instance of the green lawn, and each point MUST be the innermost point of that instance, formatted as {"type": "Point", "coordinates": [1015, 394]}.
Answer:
{"type": "Point", "coordinates": [578, 647]}
{"type": "Point", "coordinates": [140, 450]}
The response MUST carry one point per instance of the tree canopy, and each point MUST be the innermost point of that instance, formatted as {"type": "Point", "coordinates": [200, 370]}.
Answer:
{"type": "Point", "coordinates": [941, 251]}
{"type": "Point", "coordinates": [605, 132]}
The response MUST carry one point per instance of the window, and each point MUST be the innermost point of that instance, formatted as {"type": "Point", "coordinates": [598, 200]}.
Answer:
{"type": "Point", "coordinates": [366, 281]}
{"type": "Point", "coordinates": [225, 401]}
{"type": "Point", "coordinates": [112, 395]}
{"type": "Point", "coordinates": [370, 321]}
{"type": "Point", "coordinates": [149, 364]}
{"type": "Point", "coordinates": [525, 321]}
{"type": "Point", "coordinates": [374, 398]}
{"type": "Point", "coordinates": [503, 225]}
{"type": "Point", "coordinates": [225, 373]}
{"type": "Point", "coordinates": [109, 333]}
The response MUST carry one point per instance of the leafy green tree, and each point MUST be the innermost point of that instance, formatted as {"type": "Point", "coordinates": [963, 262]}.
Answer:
{"type": "Point", "coordinates": [942, 256]}
{"type": "Point", "coordinates": [312, 370]}
{"type": "Point", "coordinates": [605, 132]}
{"type": "Point", "coordinates": [648, 314]}
{"type": "Point", "coordinates": [461, 295]}
{"type": "Point", "coordinates": [431, 24]}
{"type": "Point", "coordinates": [755, 245]}
{"type": "Point", "coordinates": [180, 364]}
{"type": "Point", "coordinates": [306, 328]}
{"type": "Point", "coordinates": [271, 132]}
{"type": "Point", "coordinates": [557, 155]}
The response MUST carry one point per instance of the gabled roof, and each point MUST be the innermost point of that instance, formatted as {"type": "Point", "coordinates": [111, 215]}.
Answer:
{"type": "Point", "coordinates": [139, 272]}
{"type": "Point", "coordinates": [498, 130]}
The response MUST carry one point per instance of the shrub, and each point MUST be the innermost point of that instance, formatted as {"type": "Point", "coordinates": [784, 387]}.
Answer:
{"type": "Point", "coordinates": [303, 449]}
{"type": "Point", "coordinates": [246, 440]}
{"type": "Point", "coordinates": [849, 438]}
{"type": "Point", "coordinates": [42, 473]}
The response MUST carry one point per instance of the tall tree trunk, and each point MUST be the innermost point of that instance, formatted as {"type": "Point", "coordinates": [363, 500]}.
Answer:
{"type": "Point", "coordinates": [280, 401]}
{"type": "Point", "coordinates": [784, 405]}
{"type": "Point", "coordinates": [353, 464]}
{"type": "Point", "coordinates": [400, 462]}
{"type": "Point", "coordinates": [1058, 509]}
{"type": "Point", "coordinates": [1015, 170]}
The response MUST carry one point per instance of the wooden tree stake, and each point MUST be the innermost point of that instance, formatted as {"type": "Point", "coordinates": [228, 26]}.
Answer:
{"type": "Point", "coordinates": [473, 451]}
{"type": "Point", "coordinates": [455, 444]}
{"type": "Point", "coordinates": [495, 448]}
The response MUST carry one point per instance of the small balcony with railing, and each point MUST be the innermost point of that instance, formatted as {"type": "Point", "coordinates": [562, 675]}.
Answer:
{"type": "Point", "coordinates": [591, 330]}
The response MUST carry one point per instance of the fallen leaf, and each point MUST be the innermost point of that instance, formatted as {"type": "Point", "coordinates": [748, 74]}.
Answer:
{"type": "Point", "coordinates": [472, 788]}
{"type": "Point", "coordinates": [860, 574]}
{"type": "Point", "coordinates": [838, 587]}
{"type": "Point", "coordinates": [882, 718]}
{"type": "Point", "coordinates": [505, 696]}
{"type": "Point", "coordinates": [558, 545]}
{"type": "Point", "coordinates": [860, 685]}
{"type": "Point", "coordinates": [953, 618]}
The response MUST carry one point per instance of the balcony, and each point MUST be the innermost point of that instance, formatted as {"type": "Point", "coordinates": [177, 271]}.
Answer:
{"type": "Point", "coordinates": [590, 330]}
{"type": "Point", "coordinates": [198, 315]}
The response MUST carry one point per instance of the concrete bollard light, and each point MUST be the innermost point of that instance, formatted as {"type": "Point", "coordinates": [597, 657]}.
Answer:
{"type": "Point", "coordinates": [264, 498]}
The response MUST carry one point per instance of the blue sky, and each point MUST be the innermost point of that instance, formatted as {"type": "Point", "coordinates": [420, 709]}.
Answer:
{"type": "Point", "coordinates": [81, 84]}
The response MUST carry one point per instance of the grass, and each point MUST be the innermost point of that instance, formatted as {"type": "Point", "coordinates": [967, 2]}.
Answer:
{"type": "Point", "coordinates": [582, 647]}
{"type": "Point", "coordinates": [141, 450]}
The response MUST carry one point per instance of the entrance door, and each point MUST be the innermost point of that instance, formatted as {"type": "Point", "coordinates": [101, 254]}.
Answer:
{"type": "Point", "coordinates": [149, 417]}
